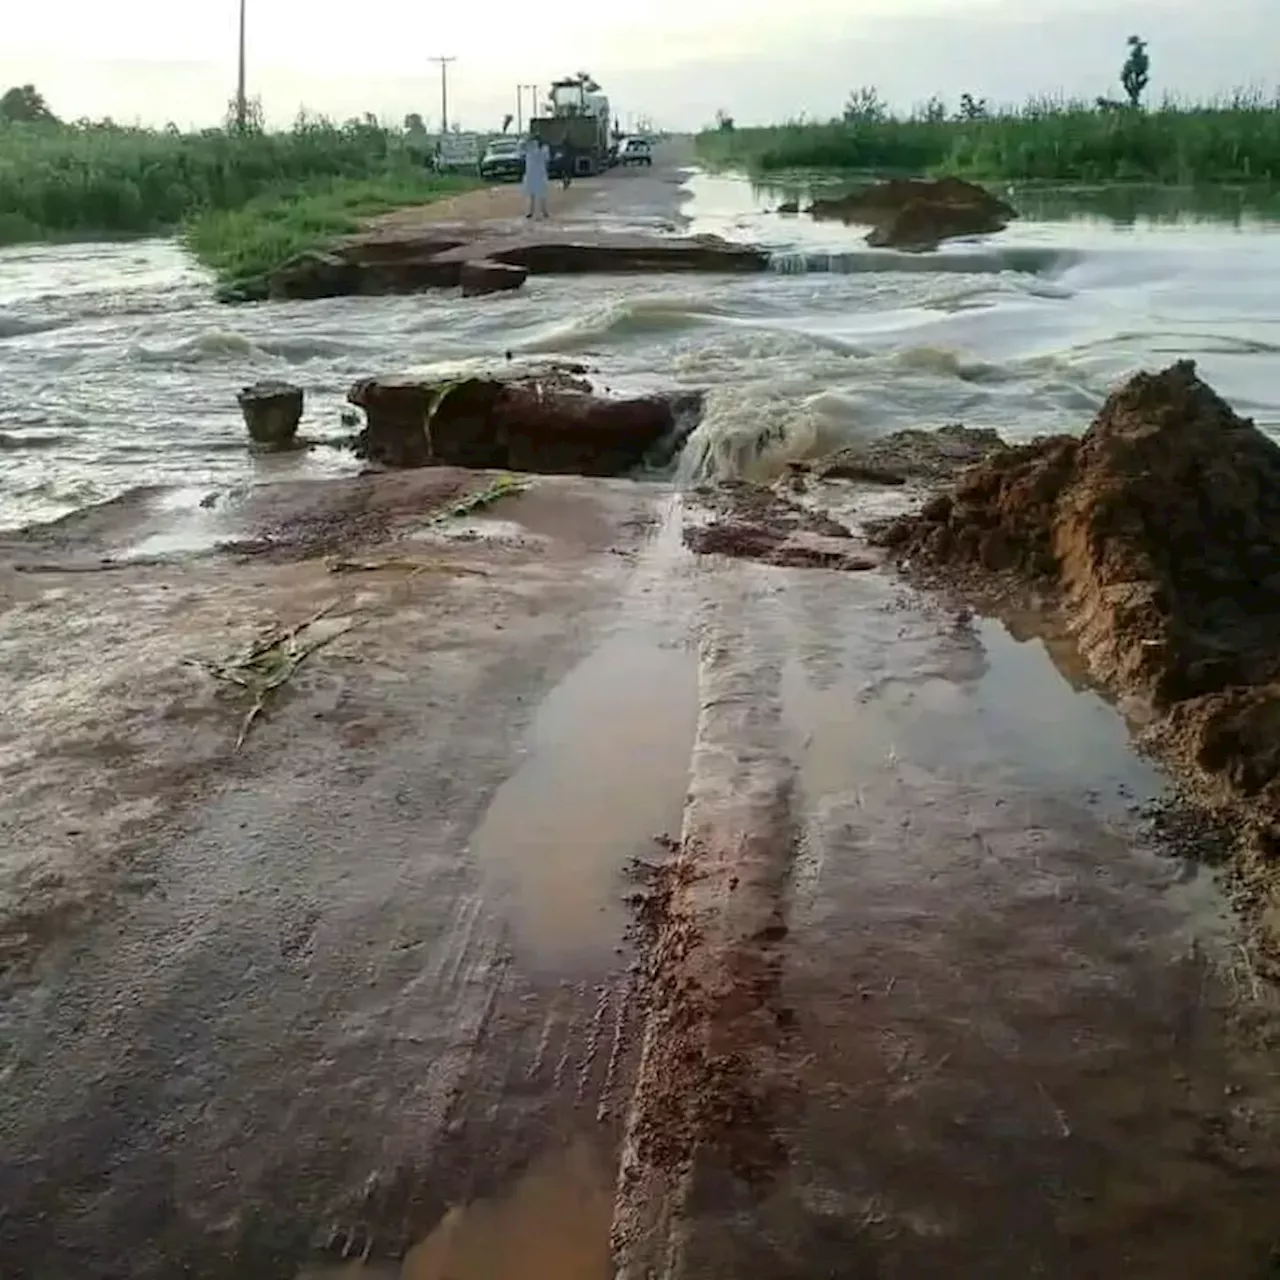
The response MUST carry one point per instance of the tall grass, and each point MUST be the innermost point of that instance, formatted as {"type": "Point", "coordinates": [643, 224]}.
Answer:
{"type": "Point", "coordinates": [60, 181]}
{"type": "Point", "coordinates": [243, 246]}
{"type": "Point", "coordinates": [1231, 141]}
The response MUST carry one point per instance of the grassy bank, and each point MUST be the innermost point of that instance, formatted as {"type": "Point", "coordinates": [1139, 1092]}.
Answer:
{"type": "Point", "coordinates": [1066, 142]}
{"type": "Point", "coordinates": [58, 182]}
{"type": "Point", "coordinates": [243, 245]}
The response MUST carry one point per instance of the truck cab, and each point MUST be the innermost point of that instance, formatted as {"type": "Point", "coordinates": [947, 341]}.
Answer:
{"type": "Point", "coordinates": [578, 126]}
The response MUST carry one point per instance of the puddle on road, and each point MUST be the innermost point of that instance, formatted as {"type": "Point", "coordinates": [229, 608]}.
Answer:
{"type": "Point", "coordinates": [607, 771]}
{"type": "Point", "coordinates": [479, 529]}
{"type": "Point", "coordinates": [1043, 1032]}
{"type": "Point", "coordinates": [1038, 726]}
{"type": "Point", "coordinates": [552, 1225]}
{"type": "Point", "coordinates": [981, 704]}
{"type": "Point", "coordinates": [921, 700]}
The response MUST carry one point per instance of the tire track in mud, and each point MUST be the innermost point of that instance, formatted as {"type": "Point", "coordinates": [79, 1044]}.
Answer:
{"type": "Point", "coordinates": [699, 1146]}
{"type": "Point", "coordinates": [538, 1065]}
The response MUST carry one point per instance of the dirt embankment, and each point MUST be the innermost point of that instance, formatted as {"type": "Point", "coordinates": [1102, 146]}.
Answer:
{"type": "Point", "coordinates": [918, 213]}
{"type": "Point", "coordinates": [716, 1065]}
{"type": "Point", "coordinates": [1159, 532]}
{"type": "Point", "coordinates": [752, 522]}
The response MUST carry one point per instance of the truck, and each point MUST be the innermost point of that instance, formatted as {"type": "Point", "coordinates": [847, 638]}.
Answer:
{"type": "Point", "coordinates": [579, 121]}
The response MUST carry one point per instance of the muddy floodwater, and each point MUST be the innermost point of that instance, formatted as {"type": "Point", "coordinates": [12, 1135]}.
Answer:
{"type": "Point", "coordinates": [585, 908]}
{"type": "Point", "coordinates": [119, 368]}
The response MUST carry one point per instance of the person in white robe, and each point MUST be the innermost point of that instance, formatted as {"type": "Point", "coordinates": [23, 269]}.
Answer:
{"type": "Point", "coordinates": [537, 161]}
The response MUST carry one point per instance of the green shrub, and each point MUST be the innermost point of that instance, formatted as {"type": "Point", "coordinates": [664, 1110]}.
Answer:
{"type": "Point", "coordinates": [1234, 141]}
{"type": "Point", "coordinates": [243, 245]}
{"type": "Point", "coordinates": [58, 180]}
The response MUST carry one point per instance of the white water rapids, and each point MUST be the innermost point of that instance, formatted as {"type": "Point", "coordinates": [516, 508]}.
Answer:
{"type": "Point", "coordinates": [117, 368]}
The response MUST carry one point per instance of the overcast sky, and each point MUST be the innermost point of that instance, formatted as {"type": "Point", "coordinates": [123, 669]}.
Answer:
{"type": "Point", "coordinates": [160, 60]}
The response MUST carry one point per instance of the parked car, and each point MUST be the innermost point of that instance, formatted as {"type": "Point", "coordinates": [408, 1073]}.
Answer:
{"type": "Point", "coordinates": [502, 160]}
{"type": "Point", "coordinates": [636, 151]}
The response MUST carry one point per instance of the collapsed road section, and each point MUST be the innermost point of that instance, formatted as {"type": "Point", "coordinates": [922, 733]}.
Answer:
{"type": "Point", "coordinates": [326, 803]}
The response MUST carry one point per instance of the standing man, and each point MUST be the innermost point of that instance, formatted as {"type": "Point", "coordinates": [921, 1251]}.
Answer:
{"type": "Point", "coordinates": [537, 161]}
{"type": "Point", "coordinates": [568, 159]}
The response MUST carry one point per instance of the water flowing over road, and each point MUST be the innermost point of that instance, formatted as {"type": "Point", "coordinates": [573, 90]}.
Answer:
{"type": "Point", "coordinates": [119, 369]}
{"type": "Point", "coordinates": [393, 990]}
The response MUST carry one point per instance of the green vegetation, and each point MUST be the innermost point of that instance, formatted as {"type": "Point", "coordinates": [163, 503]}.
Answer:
{"type": "Point", "coordinates": [25, 103]}
{"type": "Point", "coordinates": [1237, 141]}
{"type": "Point", "coordinates": [242, 245]}
{"type": "Point", "coordinates": [99, 179]}
{"type": "Point", "coordinates": [1136, 72]}
{"type": "Point", "coordinates": [1106, 141]}
{"type": "Point", "coordinates": [245, 199]}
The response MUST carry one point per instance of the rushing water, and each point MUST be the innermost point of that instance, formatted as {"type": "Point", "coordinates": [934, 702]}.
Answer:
{"type": "Point", "coordinates": [118, 369]}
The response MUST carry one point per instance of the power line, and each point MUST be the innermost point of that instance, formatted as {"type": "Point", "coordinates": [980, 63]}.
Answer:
{"type": "Point", "coordinates": [444, 90]}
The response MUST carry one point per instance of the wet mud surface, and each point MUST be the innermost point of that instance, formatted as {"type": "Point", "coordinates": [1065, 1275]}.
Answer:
{"type": "Point", "coordinates": [1155, 534]}
{"type": "Point", "coordinates": [295, 1016]}
{"type": "Point", "coordinates": [753, 522]}
{"type": "Point", "coordinates": [957, 1005]}
{"type": "Point", "coordinates": [915, 983]}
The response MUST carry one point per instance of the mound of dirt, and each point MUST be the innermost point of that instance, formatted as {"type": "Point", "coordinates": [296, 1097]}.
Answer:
{"type": "Point", "coordinates": [918, 213]}
{"type": "Point", "coordinates": [913, 454]}
{"type": "Point", "coordinates": [1160, 529]}
{"type": "Point", "coordinates": [753, 522]}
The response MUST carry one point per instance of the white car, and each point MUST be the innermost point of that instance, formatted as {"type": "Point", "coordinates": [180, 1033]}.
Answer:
{"type": "Point", "coordinates": [636, 151]}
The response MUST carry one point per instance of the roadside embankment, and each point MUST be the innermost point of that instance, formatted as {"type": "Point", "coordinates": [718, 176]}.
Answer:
{"type": "Point", "coordinates": [1157, 533]}
{"type": "Point", "coordinates": [244, 245]}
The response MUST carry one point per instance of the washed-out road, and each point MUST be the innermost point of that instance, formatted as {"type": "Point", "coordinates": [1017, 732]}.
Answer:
{"type": "Point", "coordinates": [579, 907]}
{"type": "Point", "coordinates": [938, 1001]}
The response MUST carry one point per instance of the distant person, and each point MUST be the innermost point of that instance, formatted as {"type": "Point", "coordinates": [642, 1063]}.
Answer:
{"type": "Point", "coordinates": [568, 158]}
{"type": "Point", "coordinates": [537, 163]}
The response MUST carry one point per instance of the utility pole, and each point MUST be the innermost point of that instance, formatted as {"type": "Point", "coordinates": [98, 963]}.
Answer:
{"type": "Point", "coordinates": [533, 104]}
{"type": "Point", "coordinates": [444, 91]}
{"type": "Point", "coordinates": [242, 106]}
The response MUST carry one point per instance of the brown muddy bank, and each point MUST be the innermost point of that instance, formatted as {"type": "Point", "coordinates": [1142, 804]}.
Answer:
{"type": "Point", "coordinates": [911, 989]}
{"type": "Point", "coordinates": [1157, 535]}
{"type": "Point", "coordinates": [552, 421]}
{"type": "Point", "coordinates": [444, 257]}
{"type": "Point", "coordinates": [918, 214]}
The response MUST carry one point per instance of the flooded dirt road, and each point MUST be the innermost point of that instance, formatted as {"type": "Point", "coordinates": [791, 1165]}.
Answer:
{"type": "Point", "coordinates": [966, 1013]}
{"type": "Point", "coordinates": [923, 992]}
{"type": "Point", "coordinates": [324, 988]}
{"type": "Point", "coordinates": [928, 997]}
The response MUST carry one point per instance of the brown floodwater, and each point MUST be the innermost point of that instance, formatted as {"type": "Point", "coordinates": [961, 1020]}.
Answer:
{"type": "Point", "coordinates": [552, 1223]}
{"type": "Point", "coordinates": [604, 771]}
